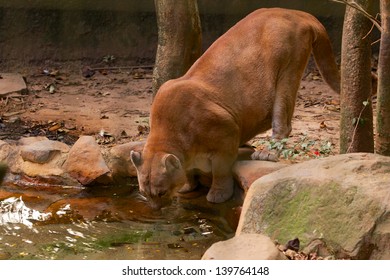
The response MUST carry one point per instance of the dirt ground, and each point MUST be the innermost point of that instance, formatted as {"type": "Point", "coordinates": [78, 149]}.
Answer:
{"type": "Point", "coordinates": [114, 106]}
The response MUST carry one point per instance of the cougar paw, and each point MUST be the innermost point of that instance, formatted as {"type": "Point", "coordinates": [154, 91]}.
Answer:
{"type": "Point", "coordinates": [219, 195]}
{"type": "Point", "coordinates": [265, 155]}
{"type": "Point", "coordinates": [187, 188]}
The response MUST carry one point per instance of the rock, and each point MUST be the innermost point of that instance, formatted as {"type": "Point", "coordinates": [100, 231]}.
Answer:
{"type": "Point", "coordinates": [291, 254]}
{"type": "Point", "coordinates": [245, 152]}
{"type": "Point", "coordinates": [3, 171]}
{"type": "Point", "coordinates": [244, 247]}
{"type": "Point", "coordinates": [318, 247]}
{"type": "Point", "coordinates": [29, 140]}
{"type": "Point", "coordinates": [9, 155]}
{"type": "Point", "coordinates": [119, 162]}
{"type": "Point", "coordinates": [38, 159]}
{"type": "Point", "coordinates": [247, 171]}
{"type": "Point", "coordinates": [85, 162]}
{"type": "Point", "coordinates": [43, 159]}
{"type": "Point", "coordinates": [344, 200]}
{"type": "Point", "coordinates": [12, 83]}
{"type": "Point", "coordinates": [42, 151]}
{"type": "Point", "coordinates": [5, 149]}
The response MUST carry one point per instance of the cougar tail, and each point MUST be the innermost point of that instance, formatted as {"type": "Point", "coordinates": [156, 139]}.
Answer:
{"type": "Point", "coordinates": [325, 59]}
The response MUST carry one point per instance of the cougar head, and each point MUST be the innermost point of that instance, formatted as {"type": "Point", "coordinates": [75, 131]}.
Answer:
{"type": "Point", "coordinates": [159, 175]}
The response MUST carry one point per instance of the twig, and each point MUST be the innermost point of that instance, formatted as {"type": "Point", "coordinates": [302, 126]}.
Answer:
{"type": "Point", "coordinates": [372, 28]}
{"type": "Point", "coordinates": [365, 103]}
{"type": "Point", "coordinates": [108, 68]}
{"type": "Point", "coordinates": [88, 71]}
{"type": "Point", "coordinates": [376, 41]}
{"type": "Point", "coordinates": [356, 6]}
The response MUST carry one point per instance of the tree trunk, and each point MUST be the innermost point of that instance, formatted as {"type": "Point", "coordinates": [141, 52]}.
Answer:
{"type": "Point", "coordinates": [356, 126]}
{"type": "Point", "coordinates": [383, 103]}
{"type": "Point", "coordinates": [179, 39]}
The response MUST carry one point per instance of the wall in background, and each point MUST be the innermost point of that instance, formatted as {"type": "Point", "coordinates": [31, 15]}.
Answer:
{"type": "Point", "coordinates": [39, 30]}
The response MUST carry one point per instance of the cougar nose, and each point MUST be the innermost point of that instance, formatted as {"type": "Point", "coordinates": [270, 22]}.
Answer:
{"type": "Point", "coordinates": [156, 204]}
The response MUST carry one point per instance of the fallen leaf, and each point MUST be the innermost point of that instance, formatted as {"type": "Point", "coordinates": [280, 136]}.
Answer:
{"type": "Point", "coordinates": [293, 245]}
{"type": "Point", "coordinates": [52, 88]}
{"type": "Point", "coordinates": [55, 127]}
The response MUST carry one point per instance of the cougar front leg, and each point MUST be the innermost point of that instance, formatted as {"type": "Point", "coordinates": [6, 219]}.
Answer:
{"type": "Point", "coordinates": [190, 185]}
{"type": "Point", "coordinates": [222, 187]}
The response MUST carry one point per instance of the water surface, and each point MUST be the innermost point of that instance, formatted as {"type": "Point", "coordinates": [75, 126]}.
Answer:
{"type": "Point", "coordinates": [55, 222]}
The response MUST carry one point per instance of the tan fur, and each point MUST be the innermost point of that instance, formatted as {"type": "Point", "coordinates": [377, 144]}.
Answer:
{"type": "Point", "coordinates": [244, 84]}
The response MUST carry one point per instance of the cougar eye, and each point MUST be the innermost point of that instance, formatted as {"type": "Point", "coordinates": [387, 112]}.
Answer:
{"type": "Point", "coordinates": [162, 193]}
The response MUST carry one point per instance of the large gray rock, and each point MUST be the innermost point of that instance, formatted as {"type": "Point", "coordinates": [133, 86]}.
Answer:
{"type": "Point", "coordinates": [344, 200]}
{"type": "Point", "coordinates": [244, 247]}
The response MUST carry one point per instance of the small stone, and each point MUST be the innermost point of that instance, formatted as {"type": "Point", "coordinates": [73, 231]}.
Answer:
{"type": "Point", "coordinates": [28, 140]}
{"type": "Point", "coordinates": [42, 151]}
{"type": "Point", "coordinates": [291, 254]}
{"type": "Point", "coordinates": [281, 247]}
{"type": "Point", "coordinates": [12, 83]}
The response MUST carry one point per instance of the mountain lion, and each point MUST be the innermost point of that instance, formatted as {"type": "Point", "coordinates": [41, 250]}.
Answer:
{"type": "Point", "coordinates": [244, 84]}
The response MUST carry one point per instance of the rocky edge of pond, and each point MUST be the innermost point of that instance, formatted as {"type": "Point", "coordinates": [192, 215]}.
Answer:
{"type": "Point", "coordinates": [338, 206]}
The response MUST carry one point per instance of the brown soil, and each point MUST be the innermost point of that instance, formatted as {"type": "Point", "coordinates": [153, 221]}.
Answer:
{"type": "Point", "coordinates": [114, 106]}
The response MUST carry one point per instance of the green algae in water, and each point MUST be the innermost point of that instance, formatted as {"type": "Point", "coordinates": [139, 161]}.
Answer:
{"type": "Point", "coordinates": [124, 238]}
{"type": "Point", "coordinates": [82, 246]}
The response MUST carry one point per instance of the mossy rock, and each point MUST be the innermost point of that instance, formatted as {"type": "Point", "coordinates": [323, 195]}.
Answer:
{"type": "Point", "coordinates": [342, 199]}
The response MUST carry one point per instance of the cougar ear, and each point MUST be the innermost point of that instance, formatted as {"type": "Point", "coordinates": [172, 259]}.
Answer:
{"type": "Point", "coordinates": [171, 162]}
{"type": "Point", "coordinates": [136, 158]}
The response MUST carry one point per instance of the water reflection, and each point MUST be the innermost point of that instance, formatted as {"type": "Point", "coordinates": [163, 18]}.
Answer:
{"type": "Point", "coordinates": [108, 223]}
{"type": "Point", "coordinates": [14, 211]}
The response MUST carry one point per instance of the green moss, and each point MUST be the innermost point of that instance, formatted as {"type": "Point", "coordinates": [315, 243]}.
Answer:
{"type": "Point", "coordinates": [300, 209]}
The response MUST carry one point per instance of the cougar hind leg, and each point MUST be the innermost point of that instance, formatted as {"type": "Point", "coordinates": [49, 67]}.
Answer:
{"type": "Point", "coordinates": [282, 114]}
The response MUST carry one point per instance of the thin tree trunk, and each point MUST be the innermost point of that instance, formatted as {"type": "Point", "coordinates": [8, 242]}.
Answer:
{"type": "Point", "coordinates": [383, 104]}
{"type": "Point", "coordinates": [356, 126]}
{"type": "Point", "coordinates": [179, 39]}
